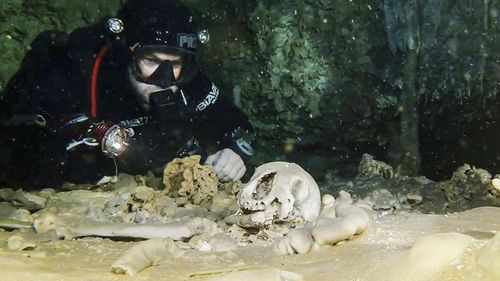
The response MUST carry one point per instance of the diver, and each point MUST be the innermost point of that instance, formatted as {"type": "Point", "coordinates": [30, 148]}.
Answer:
{"type": "Point", "coordinates": [126, 94]}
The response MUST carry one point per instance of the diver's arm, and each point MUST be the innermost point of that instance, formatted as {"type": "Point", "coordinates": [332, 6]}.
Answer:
{"type": "Point", "coordinates": [49, 96]}
{"type": "Point", "coordinates": [226, 122]}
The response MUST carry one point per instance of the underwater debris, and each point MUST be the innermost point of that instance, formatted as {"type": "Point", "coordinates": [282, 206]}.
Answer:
{"type": "Point", "coordinates": [186, 177]}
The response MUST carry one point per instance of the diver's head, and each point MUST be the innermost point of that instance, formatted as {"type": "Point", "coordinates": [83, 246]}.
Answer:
{"type": "Point", "coordinates": [153, 71]}
{"type": "Point", "coordinates": [163, 38]}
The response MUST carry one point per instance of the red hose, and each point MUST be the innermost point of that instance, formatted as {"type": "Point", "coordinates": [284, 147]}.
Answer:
{"type": "Point", "coordinates": [93, 85]}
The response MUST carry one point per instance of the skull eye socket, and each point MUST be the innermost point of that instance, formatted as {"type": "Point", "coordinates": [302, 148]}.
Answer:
{"type": "Point", "coordinates": [264, 187]}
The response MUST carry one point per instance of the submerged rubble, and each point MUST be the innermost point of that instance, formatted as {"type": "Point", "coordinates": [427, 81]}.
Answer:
{"type": "Point", "coordinates": [220, 221]}
{"type": "Point", "coordinates": [387, 192]}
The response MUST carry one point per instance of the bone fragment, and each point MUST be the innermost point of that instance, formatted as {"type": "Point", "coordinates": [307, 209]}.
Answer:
{"type": "Point", "coordinates": [6, 210]}
{"type": "Point", "coordinates": [496, 184]}
{"type": "Point", "coordinates": [71, 226]}
{"type": "Point", "coordinates": [215, 243]}
{"type": "Point", "coordinates": [145, 254]}
{"type": "Point", "coordinates": [28, 239]}
{"type": "Point", "coordinates": [297, 241]}
{"type": "Point", "coordinates": [351, 220]}
{"type": "Point", "coordinates": [14, 224]}
{"type": "Point", "coordinates": [328, 209]}
{"type": "Point", "coordinates": [339, 220]}
{"type": "Point", "coordinates": [254, 220]}
{"type": "Point", "coordinates": [22, 199]}
{"type": "Point", "coordinates": [14, 218]}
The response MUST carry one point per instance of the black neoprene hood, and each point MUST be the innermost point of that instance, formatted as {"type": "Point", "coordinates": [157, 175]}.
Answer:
{"type": "Point", "coordinates": [159, 24]}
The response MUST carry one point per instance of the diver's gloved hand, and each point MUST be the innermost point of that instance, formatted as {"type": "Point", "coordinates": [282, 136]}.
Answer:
{"type": "Point", "coordinates": [227, 164]}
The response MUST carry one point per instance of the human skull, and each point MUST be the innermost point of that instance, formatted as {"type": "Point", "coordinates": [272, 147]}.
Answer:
{"type": "Point", "coordinates": [280, 191]}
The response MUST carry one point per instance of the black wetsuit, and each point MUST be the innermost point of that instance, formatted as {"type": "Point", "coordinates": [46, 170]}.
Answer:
{"type": "Point", "coordinates": [55, 82]}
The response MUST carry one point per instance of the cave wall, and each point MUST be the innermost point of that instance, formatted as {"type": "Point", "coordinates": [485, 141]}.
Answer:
{"type": "Point", "coordinates": [303, 67]}
{"type": "Point", "coordinates": [331, 75]}
{"type": "Point", "coordinates": [22, 20]}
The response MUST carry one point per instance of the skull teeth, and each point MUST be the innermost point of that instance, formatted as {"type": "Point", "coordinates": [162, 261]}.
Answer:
{"type": "Point", "coordinates": [254, 206]}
